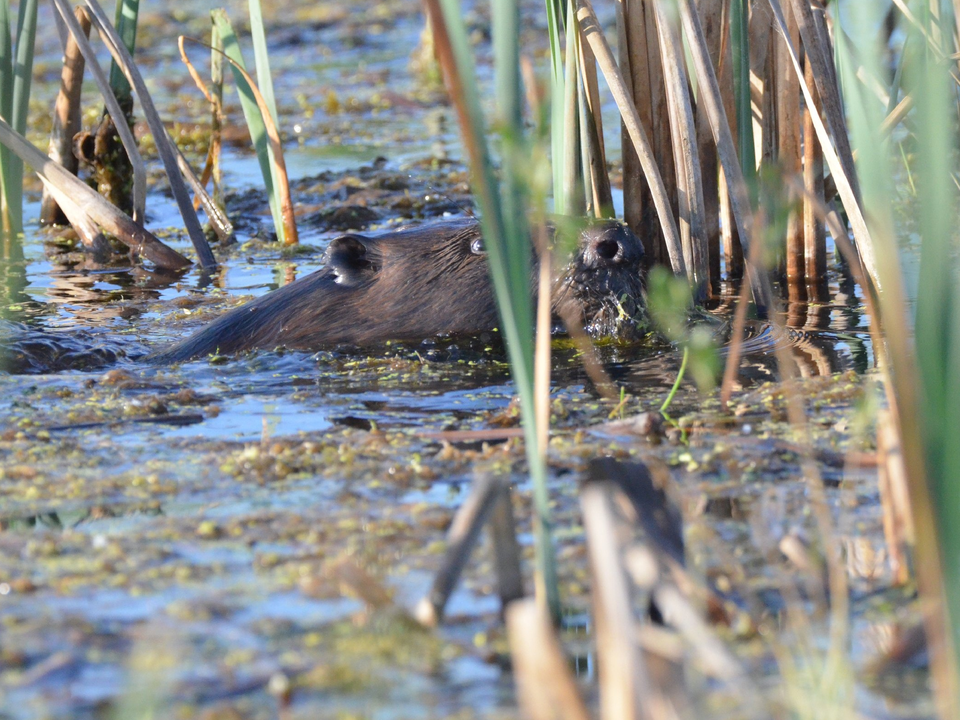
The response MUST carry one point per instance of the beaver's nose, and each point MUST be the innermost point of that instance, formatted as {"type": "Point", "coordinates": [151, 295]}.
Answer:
{"type": "Point", "coordinates": [606, 246]}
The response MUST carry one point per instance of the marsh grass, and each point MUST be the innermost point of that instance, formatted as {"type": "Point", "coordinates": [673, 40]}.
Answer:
{"type": "Point", "coordinates": [254, 117]}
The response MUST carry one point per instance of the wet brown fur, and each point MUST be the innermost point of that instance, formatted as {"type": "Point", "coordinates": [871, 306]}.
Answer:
{"type": "Point", "coordinates": [411, 284]}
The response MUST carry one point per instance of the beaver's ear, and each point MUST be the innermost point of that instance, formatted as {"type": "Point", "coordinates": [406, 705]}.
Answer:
{"type": "Point", "coordinates": [347, 257]}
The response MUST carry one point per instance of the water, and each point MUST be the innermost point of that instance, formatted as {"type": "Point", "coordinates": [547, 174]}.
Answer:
{"type": "Point", "coordinates": [195, 515]}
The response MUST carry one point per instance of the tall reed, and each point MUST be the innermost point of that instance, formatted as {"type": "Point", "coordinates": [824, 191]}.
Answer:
{"type": "Point", "coordinates": [926, 368]}
{"type": "Point", "coordinates": [505, 226]}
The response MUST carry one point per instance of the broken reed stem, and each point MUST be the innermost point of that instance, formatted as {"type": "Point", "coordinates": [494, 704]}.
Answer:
{"type": "Point", "coordinates": [461, 538]}
{"type": "Point", "coordinates": [686, 159]}
{"type": "Point", "coordinates": [215, 214]}
{"type": "Point", "coordinates": [115, 222]}
{"type": "Point", "coordinates": [546, 688]}
{"type": "Point", "coordinates": [110, 101]}
{"type": "Point", "coordinates": [66, 120]}
{"type": "Point", "coordinates": [714, 656]}
{"type": "Point", "coordinates": [90, 236]}
{"type": "Point", "coordinates": [506, 550]}
{"type": "Point", "coordinates": [625, 686]}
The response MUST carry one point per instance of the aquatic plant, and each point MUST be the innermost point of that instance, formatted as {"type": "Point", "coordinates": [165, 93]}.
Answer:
{"type": "Point", "coordinates": [16, 66]}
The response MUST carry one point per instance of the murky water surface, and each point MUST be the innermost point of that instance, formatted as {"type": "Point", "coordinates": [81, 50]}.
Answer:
{"type": "Point", "coordinates": [170, 536]}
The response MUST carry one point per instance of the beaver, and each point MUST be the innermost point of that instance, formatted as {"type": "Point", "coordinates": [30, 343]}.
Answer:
{"type": "Point", "coordinates": [418, 283]}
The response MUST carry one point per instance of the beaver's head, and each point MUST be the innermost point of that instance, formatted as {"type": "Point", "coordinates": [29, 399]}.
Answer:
{"type": "Point", "coordinates": [602, 285]}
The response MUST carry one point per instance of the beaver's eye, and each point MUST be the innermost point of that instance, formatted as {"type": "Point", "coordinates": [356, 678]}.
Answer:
{"type": "Point", "coordinates": [476, 247]}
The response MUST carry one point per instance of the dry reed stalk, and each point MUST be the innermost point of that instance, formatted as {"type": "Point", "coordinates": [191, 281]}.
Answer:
{"type": "Point", "coordinates": [215, 214]}
{"type": "Point", "coordinates": [789, 125]}
{"type": "Point", "coordinates": [639, 49]}
{"type": "Point", "coordinates": [214, 95]}
{"type": "Point", "coordinates": [896, 116]}
{"type": "Point", "coordinates": [626, 691]}
{"type": "Point", "coordinates": [506, 550]}
{"type": "Point", "coordinates": [762, 79]}
{"type": "Point", "coordinates": [894, 499]}
{"type": "Point", "coordinates": [814, 232]}
{"type": "Point", "coordinates": [591, 128]}
{"type": "Point", "coordinates": [712, 18]}
{"type": "Point", "coordinates": [590, 29]}
{"type": "Point", "coordinates": [714, 657]}
{"type": "Point", "coordinates": [546, 688]}
{"type": "Point", "coordinates": [461, 538]}
{"type": "Point", "coordinates": [66, 120]}
{"type": "Point", "coordinates": [686, 159]}
{"type": "Point", "coordinates": [811, 21]}
{"type": "Point", "coordinates": [836, 152]}
{"type": "Point", "coordinates": [712, 99]}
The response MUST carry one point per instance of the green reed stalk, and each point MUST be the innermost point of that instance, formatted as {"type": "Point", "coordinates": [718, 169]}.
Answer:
{"type": "Point", "coordinates": [16, 67]}
{"type": "Point", "coordinates": [261, 58]}
{"type": "Point", "coordinates": [7, 178]}
{"type": "Point", "coordinates": [504, 225]}
{"type": "Point", "coordinates": [938, 312]}
{"type": "Point", "coordinates": [569, 194]}
{"type": "Point", "coordinates": [555, 9]}
{"type": "Point", "coordinates": [510, 256]}
{"type": "Point", "coordinates": [125, 22]}
{"type": "Point", "coordinates": [925, 372]}
{"type": "Point", "coordinates": [740, 45]}
{"type": "Point", "coordinates": [251, 113]}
